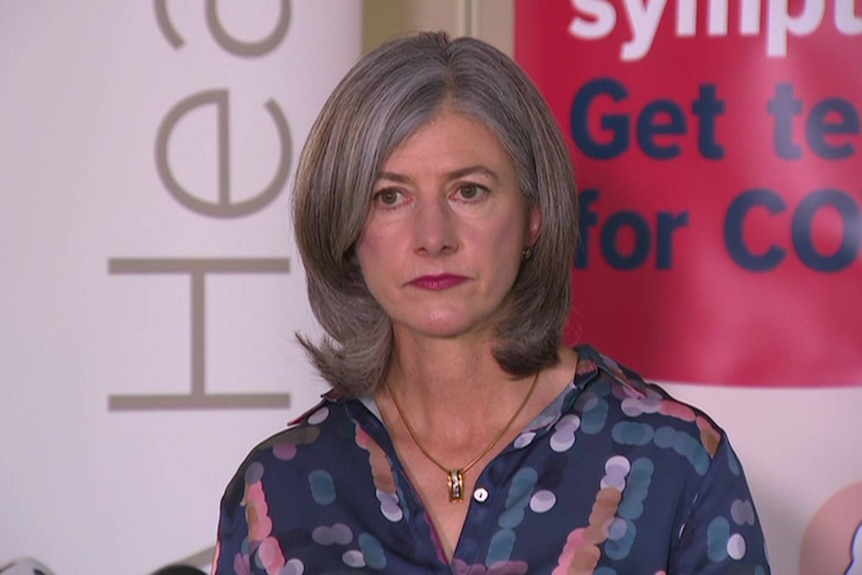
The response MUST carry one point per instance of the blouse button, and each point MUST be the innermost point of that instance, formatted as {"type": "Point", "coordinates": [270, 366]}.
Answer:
{"type": "Point", "coordinates": [480, 495]}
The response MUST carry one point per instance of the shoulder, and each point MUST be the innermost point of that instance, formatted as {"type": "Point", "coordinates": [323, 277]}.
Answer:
{"type": "Point", "coordinates": [307, 434]}
{"type": "Point", "coordinates": [638, 413]}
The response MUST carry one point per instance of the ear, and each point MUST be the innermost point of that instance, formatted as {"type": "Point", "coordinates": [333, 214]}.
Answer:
{"type": "Point", "coordinates": [534, 226]}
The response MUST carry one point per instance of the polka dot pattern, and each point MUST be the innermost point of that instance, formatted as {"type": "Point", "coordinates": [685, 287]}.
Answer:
{"type": "Point", "coordinates": [588, 401]}
{"type": "Point", "coordinates": [459, 567]}
{"type": "Point", "coordinates": [318, 416]}
{"type": "Point", "coordinates": [518, 498]}
{"type": "Point", "coordinates": [254, 473]}
{"type": "Point", "coordinates": [616, 470]}
{"type": "Point", "coordinates": [718, 537]}
{"type": "Point", "coordinates": [582, 551]}
{"type": "Point", "coordinates": [542, 501]}
{"type": "Point", "coordinates": [384, 478]}
{"type": "Point", "coordinates": [372, 551]}
{"type": "Point", "coordinates": [259, 522]}
{"type": "Point", "coordinates": [322, 487]}
{"type": "Point", "coordinates": [353, 558]}
{"type": "Point", "coordinates": [617, 529]}
{"type": "Point", "coordinates": [331, 496]}
{"type": "Point", "coordinates": [623, 532]}
{"type": "Point", "coordinates": [736, 546]}
{"type": "Point", "coordinates": [338, 534]}
{"type": "Point", "coordinates": [633, 433]}
{"type": "Point", "coordinates": [652, 402]}
{"type": "Point", "coordinates": [733, 464]}
{"type": "Point", "coordinates": [287, 446]}
{"type": "Point", "coordinates": [593, 421]}
{"type": "Point", "coordinates": [640, 478]}
{"type": "Point", "coordinates": [390, 507]}
{"type": "Point", "coordinates": [709, 435]}
{"type": "Point", "coordinates": [637, 406]}
{"type": "Point", "coordinates": [742, 512]}
{"type": "Point", "coordinates": [269, 556]}
{"type": "Point", "coordinates": [564, 436]}
{"type": "Point", "coordinates": [500, 548]}
{"type": "Point", "coordinates": [293, 567]}
{"type": "Point", "coordinates": [524, 440]}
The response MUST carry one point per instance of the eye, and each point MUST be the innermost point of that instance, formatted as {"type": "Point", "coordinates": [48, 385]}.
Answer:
{"type": "Point", "coordinates": [471, 192]}
{"type": "Point", "coordinates": [388, 197]}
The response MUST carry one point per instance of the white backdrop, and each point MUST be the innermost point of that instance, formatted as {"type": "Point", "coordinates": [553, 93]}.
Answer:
{"type": "Point", "coordinates": [130, 387]}
{"type": "Point", "coordinates": [121, 415]}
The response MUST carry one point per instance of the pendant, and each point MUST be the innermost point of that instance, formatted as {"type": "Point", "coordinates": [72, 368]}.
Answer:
{"type": "Point", "coordinates": [456, 485]}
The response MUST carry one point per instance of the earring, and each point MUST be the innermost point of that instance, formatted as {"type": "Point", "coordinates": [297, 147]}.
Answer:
{"type": "Point", "coordinates": [527, 253]}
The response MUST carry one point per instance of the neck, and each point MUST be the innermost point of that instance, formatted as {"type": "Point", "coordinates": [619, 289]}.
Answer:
{"type": "Point", "coordinates": [453, 389]}
{"type": "Point", "coordinates": [446, 371]}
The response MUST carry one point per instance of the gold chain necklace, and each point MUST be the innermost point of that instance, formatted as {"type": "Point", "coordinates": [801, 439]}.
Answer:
{"type": "Point", "coordinates": [455, 477]}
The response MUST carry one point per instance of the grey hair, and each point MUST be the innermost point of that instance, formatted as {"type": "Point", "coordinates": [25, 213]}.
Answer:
{"type": "Point", "coordinates": [387, 96]}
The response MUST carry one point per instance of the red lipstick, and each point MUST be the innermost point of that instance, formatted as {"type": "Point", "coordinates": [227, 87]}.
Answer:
{"type": "Point", "coordinates": [438, 282]}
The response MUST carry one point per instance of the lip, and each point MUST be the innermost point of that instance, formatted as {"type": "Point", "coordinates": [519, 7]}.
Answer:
{"type": "Point", "coordinates": [438, 282]}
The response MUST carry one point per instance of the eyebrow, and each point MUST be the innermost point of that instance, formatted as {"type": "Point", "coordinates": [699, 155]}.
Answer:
{"type": "Point", "coordinates": [453, 175]}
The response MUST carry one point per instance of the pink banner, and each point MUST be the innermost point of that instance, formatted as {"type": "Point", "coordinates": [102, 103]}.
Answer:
{"type": "Point", "coordinates": [718, 151]}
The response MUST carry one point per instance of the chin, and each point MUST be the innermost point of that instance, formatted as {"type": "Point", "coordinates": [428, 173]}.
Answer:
{"type": "Point", "coordinates": [446, 326]}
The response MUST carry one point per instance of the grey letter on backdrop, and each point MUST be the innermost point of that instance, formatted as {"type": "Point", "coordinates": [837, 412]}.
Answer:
{"type": "Point", "coordinates": [197, 270]}
{"type": "Point", "coordinates": [248, 49]}
{"type": "Point", "coordinates": [225, 40]}
{"type": "Point", "coordinates": [223, 208]}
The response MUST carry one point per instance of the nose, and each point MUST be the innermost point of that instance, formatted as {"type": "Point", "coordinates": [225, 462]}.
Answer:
{"type": "Point", "coordinates": [435, 228]}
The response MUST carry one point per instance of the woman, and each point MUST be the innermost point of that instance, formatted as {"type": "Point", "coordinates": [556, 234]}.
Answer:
{"type": "Point", "coordinates": [435, 211]}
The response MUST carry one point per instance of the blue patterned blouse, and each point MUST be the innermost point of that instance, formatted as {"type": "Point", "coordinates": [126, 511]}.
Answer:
{"type": "Point", "coordinates": [613, 478]}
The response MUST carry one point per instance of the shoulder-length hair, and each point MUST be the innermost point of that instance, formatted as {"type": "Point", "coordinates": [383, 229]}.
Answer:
{"type": "Point", "coordinates": [383, 99]}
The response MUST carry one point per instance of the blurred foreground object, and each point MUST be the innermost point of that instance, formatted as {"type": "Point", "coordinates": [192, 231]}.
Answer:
{"type": "Point", "coordinates": [25, 566]}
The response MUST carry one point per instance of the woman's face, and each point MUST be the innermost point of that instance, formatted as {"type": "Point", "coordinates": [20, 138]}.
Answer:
{"type": "Point", "coordinates": [443, 241]}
